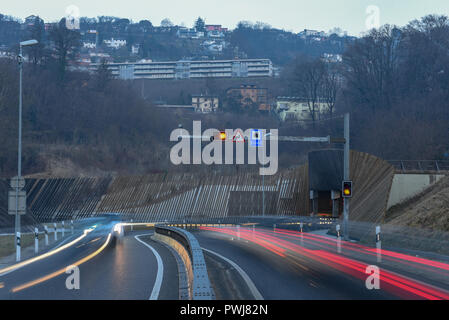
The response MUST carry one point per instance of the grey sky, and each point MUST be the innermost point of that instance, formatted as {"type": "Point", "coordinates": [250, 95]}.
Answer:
{"type": "Point", "coordinates": [292, 15]}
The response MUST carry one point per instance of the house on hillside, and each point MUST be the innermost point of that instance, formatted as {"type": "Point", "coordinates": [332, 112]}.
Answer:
{"type": "Point", "coordinates": [249, 95]}
{"type": "Point", "coordinates": [307, 33]}
{"type": "Point", "coordinates": [297, 109]}
{"type": "Point", "coordinates": [32, 20]}
{"type": "Point", "coordinates": [332, 58]}
{"type": "Point", "coordinates": [115, 43]}
{"type": "Point", "coordinates": [189, 33]}
{"type": "Point", "coordinates": [215, 27]}
{"type": "Point", "coordinates": [205, 103]}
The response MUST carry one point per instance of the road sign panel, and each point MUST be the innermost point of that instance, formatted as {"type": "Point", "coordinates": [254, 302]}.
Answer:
{"type": "Point", "coordinates": [17, 183]}
{"type": "Point", "coordinates": [16, 199]}
{"type": "Point", "coordinates": [239, 137]}
{"type": "Point", "coordinates": [256, 138]}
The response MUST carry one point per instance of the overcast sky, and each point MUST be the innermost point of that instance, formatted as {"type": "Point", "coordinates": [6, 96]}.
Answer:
{"type": "Point", "coordinates": [294, 15]}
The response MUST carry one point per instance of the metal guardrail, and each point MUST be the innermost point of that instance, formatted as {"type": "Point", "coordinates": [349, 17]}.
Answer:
{"type": "Point", "coordinates": [420, 165]}
{"type": "Point", "coordinates": [201, 286]}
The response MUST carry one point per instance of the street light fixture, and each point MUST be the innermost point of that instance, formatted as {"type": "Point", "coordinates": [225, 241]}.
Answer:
{"type": "Point", "coordinates": [19, 184]}
{"type": "Point", "coordinates": [28, 43]}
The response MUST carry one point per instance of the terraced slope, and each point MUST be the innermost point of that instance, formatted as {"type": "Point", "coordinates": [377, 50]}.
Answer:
{"type": "Point", "coordinates": [182, 196]}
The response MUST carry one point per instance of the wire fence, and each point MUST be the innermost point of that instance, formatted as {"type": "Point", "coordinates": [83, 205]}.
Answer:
{"type": "Point", "coordinates": [420, 165]}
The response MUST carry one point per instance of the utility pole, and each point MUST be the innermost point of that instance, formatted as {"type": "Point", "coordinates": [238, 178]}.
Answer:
{"type": "Point", "coordinates": [346, 178]}
{"type": "Point", "coordinates": [19, 152]}
{"type": "Point", "coordinates": [17, 197]}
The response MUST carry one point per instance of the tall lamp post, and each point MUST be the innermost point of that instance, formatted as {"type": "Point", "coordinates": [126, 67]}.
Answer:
{"type": "Point", "coordinates": [18, 184]}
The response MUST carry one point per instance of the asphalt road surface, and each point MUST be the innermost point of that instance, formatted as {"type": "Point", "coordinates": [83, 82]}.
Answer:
{"type": "Point", "coordinates": [126, 269]}
{"type": "Point", "coordinates": [262, 264]}
{"type": "Point", "coordinates": [284, 266]}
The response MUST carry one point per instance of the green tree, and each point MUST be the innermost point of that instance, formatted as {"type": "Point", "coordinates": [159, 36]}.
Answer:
{"type": "Point", "coordinates": [200, 24]}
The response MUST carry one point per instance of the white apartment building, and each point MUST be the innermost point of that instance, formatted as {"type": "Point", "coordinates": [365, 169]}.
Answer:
{"type": "Point", "coordinates": [191, 69]}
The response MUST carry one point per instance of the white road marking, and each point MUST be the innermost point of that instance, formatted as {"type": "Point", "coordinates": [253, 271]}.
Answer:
{"type": "Point", "coordinates": [252, 287]}
{"type": "Point", "coordinates": [160, 269]}
{"type": "Point", "coordinates": [53, 251]}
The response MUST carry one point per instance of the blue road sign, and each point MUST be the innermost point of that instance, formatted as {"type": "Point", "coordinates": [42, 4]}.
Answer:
{"type": "Point", "coordinates": [256, 138]}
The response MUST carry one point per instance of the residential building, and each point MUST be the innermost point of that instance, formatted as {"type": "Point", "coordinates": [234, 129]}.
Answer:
{"type": "Point", "coordinates": [115, 43]}
{"type": "Point", "coordinates": [32, 20]}
{"type": "Point", "coordinates": [189, 33]}
{"type": "Point", "coordinates": [307, 33]}
{"type": "Point", "coordinates": [187, 69]}
{"type": "Point", "coordinates": [297, 109]}
{"type": "Point", "coordinates": [214, 46]}
{"type": "Point", "coordinates": [215, 34]}
{"type": "Point", "coordinates": [6, 54]}
{"type": "Point", "coordinates": [49, 26]}
{"type": "Point", "coordinates": [332, 58]}
{"type": "Point", "coordinates": [135, 49]}
{"type": "Point", "coordinates": [215, 27]}
{"type": "Point", "coordinates": [248, 95]}
{"type": "Point", "coordinates": [89, 45]}
{"type": "Point", "coordinates": [205, 103]}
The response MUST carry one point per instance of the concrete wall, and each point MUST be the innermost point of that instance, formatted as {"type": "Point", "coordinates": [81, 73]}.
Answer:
{"type": "Point", "coordinates": [406, 186]}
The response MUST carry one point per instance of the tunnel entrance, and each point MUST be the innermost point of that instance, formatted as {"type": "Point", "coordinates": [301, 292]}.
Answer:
{"type": "Point", "coordinates": [323, 204]}
{"type": "Point", "coordinates": [325, 180]}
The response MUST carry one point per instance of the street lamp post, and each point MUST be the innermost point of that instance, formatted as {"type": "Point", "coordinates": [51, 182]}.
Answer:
{"type": "Point", "coordinates": [19, 159]}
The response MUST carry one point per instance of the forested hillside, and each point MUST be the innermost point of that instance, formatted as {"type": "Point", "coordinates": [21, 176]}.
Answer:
{"type": "Point", "coordinates": [394, 82]}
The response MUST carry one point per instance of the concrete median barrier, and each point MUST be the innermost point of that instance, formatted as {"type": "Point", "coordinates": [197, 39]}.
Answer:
{"type": "Point", "coordinates": [188, 248]}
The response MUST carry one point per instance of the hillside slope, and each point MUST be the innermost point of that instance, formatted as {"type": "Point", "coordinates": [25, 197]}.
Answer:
{"type": "Point", "coordinates": [428, 210]}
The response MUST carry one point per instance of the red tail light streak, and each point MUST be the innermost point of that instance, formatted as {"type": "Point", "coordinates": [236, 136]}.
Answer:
{"type": "Point", "coordinates": [401, 286]}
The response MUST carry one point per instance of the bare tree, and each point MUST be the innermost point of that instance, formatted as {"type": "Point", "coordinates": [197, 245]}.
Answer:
{"type": "Point", "coordinates": [332, 84]}
{"type": "Point", "coordinates": [372, 65]}
{"type": "Point", "coordinates": [308, 79]}
{"type": "Point", "coordinates": [66, 44]}
{"type": "Point", "coordinates": [37, 52]}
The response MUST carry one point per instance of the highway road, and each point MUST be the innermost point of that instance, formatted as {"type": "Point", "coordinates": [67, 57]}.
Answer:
{"type": "Point", "coordinates": [127, 269]}
{"type": "Point", "coordinates": [259, 264]}
{"type": "Point", "coordinates": [283, 266]}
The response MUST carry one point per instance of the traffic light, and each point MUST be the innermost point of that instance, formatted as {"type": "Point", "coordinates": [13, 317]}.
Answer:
{"type": "Point", "coordinates": [347, 189]}
{"type": "Point", "coordinates": [221, 136]}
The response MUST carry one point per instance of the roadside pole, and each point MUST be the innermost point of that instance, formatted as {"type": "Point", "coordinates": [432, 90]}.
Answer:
{"type": "Point", "coordinates": [338, 238]}
{"type": "Point", "coordinates": [378, 245]}
{"type": "Point", "coordinates": [56, 231]}
{"type": "Point", "coordinates": [346, 178]}
{"type": "Point", "coordinates": [18, 246]}
{"type": "Point", "coordinates": [63, 229]}
{"type": "Point", "coordinates": [36, 240]}
{"type": "Point", "coordinates": [301, 226]}
{"type": "Point", "coordinates": [46, 235]}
